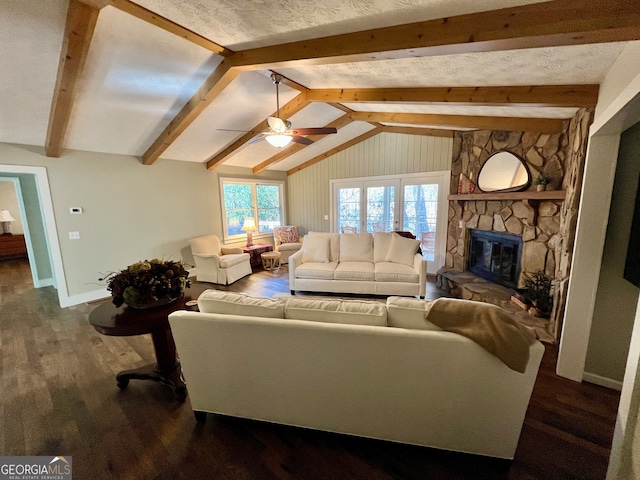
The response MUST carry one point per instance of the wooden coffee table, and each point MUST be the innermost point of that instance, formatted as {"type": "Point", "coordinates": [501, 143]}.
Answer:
{"type": "Point", "coordinates": [127, 321]}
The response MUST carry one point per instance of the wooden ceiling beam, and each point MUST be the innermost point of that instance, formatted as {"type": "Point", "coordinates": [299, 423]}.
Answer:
{"type": "Point", "coordinates": [286, 111]}
{"type": "Point", "coordinates": [221, 77]}
{"type": "Point", "coordinates": [429, 132]}
{"type": "Point", "coordinates": [79, 28]}
{"type": "Point", "coordinates": [333, 151]}
{"type": "Point", "coordinates": [582, 96]}
{"type": "Point", "coordinates": [296, 147]}
{"type": "Point", "coordinates": [546, 24]}
{"type": "Point", "coordinates": [543, 125]}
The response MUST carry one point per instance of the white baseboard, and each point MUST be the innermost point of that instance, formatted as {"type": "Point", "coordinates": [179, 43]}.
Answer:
{"type": "Point", "coordinates": [84, 297]}
{"type": "Point", "coordinates": [602, 381]}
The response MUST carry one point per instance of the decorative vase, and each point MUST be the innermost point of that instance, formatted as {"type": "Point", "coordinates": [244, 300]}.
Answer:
{"type": "Point", "coordinates": [541, 188]}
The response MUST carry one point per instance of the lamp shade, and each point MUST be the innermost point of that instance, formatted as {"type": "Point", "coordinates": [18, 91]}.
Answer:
{"type": "Point", "coordinates": [5, 216]}
{"type": "Point", "coordinates": [249, 225]}
{"type": "Point", "coordinates": [279, 140]}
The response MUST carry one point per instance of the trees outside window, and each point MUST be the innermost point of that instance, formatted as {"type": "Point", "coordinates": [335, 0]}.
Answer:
{"type": "Point", "coordinates": [262, 201]}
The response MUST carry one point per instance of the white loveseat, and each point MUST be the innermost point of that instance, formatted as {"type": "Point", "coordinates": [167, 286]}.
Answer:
{"type": "Point", "coordinates": [383, 263]}
{"type": "Point", "coordinates": [362, 368]}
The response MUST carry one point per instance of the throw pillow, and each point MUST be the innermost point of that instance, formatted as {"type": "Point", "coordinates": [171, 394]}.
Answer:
{"type": "Point", "coordinates": [381, 243]}
{"type": "Point", "coordinates": [402, 250]}
{"type": "Point", "coordinates": [356, 247]}
{"type": "Point", "coordinates": [287, 235]}
{"type": "Point", "coordinates": [315, 248]}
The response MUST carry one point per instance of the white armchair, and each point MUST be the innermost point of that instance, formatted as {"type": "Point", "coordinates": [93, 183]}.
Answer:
{"type": "Point", "coordinates": [287, 241]}
{"type": "Point", "coordinates": [218, 264]}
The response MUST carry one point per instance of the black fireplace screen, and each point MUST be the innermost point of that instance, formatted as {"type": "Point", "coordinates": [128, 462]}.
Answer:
{"type": "Point", "coordinates": [495, 256]}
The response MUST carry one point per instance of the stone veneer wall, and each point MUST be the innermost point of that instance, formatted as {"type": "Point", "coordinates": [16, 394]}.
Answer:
{"type": "Point", "coordinates": [548, 245]}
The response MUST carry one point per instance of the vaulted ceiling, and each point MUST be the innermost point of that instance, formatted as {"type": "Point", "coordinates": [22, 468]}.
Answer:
{"type": "Point", "coordinates": [189, 80]}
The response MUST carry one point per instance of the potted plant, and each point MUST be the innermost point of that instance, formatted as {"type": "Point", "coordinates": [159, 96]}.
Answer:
{"type": "Point", "coordinates": [538, 293]}
{"type": "Point", "coordinates": [541, 182]}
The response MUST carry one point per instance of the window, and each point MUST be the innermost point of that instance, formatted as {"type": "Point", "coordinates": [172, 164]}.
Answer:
{"type": "Point", "coordinates": [262, 201]}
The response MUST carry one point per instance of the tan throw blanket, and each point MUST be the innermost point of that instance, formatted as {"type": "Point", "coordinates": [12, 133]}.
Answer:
{"type": "Point", "coordinates": [488, 325]}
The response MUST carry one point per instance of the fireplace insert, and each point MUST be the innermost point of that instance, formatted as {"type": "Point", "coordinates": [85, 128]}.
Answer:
{"type": "Point", "coordinates": [495, 256]}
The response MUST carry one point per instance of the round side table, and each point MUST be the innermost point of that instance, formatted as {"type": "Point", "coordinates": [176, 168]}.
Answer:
{"type": "Point", "coordinates": [270, 260]}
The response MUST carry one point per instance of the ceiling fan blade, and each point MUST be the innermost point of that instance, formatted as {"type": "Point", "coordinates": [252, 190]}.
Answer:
{"type": "Point", "coordinates": [314, 131]}
{"type": "Point", "coordinates": [277, 124]}
{"type": "Point", "coordinates": [302, 140]}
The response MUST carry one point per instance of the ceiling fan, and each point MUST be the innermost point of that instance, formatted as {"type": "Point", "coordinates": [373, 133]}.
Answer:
{"type": "Point", "coordinates": [280, 134]}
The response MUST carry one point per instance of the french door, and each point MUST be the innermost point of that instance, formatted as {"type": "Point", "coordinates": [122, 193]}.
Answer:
{"type": "Point", "coordinates": [414, 203]}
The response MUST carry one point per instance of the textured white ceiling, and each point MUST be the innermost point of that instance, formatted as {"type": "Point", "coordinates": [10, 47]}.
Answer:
{"type": "Point", "coordinates": [30, 41]}
{"type": "Point", "coordinates": [137, 76]}
{"type": "Point", "coordinates": [536, 66]}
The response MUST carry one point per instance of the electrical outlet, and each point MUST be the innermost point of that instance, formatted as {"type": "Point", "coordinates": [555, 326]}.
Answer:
{"type": "Point", "coordinates": [74, 235]}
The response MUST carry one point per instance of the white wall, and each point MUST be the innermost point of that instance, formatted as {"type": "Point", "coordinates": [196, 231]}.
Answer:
{"type": "Point", "coordinates": [131, 211]}
{"type": "Point", "coordinates": [616, 298]}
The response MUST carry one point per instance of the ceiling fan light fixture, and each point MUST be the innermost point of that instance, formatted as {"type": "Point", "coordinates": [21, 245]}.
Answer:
{"type": "Point", "coordinates": [279, 140]}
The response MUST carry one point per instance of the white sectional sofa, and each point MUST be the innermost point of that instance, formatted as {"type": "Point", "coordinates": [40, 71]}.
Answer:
{"type": "Point", "coordinates": [383, 263]}
{"type": "Point", "coordinates": [369, 369]}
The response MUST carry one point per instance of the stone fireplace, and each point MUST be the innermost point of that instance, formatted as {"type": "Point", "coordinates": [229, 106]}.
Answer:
{"type": "Point", "coordinates": [545, 223]}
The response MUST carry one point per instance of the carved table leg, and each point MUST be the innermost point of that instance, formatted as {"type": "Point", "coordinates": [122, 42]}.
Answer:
{"type": "Point", "coordinates": [167, 371]}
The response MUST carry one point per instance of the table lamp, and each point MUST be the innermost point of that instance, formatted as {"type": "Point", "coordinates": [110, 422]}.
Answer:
{"type": "Point", "coordinates": [249, 226]}
{"type": "Point", "coordinates": [6, 219]}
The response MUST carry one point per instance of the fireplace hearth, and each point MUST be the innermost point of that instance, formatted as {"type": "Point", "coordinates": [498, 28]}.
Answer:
{"type": "Point", "coordinates": [495, 256]}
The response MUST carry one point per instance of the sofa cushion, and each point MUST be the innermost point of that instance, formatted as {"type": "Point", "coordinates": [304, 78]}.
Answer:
{"type": "Point", "coordinates": [216, 301]}
{"type": "Point", "coordinates": [404, 312]}
{"type": "Point", "coordinates": [334, 244]}
{"type": "Point", "coordinates": [356, 247]}
{"type": "Point", "coordinates": [395, 272]}
{"type": "Point", "coordinates": [381, 243]}
{"type": "Point", "coordinates": [336, 311]}
{"type": "Point", "coordinates": [315, 248]}
{"type": "Point", "coordinates": [402, 250]}
{"type": "Point", "coordinates": [322, 271]}
{"type": "Point", "coordinates": [354, 271]}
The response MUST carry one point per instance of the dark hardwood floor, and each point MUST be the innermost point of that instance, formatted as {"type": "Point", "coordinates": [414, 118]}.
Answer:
{"type": "Point", "coordinates": [60, 398]}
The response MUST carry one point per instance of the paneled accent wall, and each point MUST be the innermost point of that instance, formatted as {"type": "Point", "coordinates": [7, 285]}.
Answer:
{"type": "Point", "coordinates": [385, 154]}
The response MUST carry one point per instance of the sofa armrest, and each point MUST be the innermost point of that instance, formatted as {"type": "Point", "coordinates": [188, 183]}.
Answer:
{"type": "Point", "coordinates": [231, 250]}
{"type": "Point", "coordinates": [295, 261]}
{"type": "Point", "coordinates": [205, 256]}
{"type": "Point", "coordinates": [420, 266]}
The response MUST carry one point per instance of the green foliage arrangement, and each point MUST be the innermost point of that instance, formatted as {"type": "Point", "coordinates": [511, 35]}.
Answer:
{"type": "Point", "coordinates": [542, 180]}
{"type": "Point", "coordinates": [538, 292]}
{"type": "Point", "coordinates": [147, 282]}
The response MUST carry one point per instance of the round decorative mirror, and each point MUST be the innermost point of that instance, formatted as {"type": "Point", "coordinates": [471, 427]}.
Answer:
{"type": "Point", "coordinates": [504, 172]}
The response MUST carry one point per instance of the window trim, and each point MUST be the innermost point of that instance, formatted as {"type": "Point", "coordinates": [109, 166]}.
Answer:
{"type": "Point", "coordinates": [253, 183]}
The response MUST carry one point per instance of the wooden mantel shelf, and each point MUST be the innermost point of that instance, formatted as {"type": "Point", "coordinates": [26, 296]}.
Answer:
{"type": "Point", "coordinates": [531, 199]}
{"type": "Point", "coordinates": [526, 195]}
